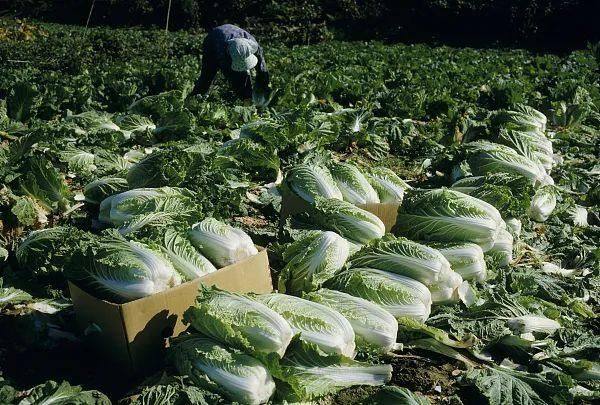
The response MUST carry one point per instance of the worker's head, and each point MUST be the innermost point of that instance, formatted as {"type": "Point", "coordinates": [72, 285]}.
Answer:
{"type": "Point", "coordinates": [242, 52]}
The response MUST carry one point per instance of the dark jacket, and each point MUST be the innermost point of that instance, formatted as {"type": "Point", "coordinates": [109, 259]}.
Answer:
{"type": "Point", "coordinates": [215, 57]}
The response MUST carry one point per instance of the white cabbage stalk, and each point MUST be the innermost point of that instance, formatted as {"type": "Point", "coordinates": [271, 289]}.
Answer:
{"type": "Point", "coordinates": [404, 257]}
{"type": "Point", "coordinates": [310, 182]}
{"type": "Point", "coordinates": [240, 377]}
{"type": "Point", "coordinates": [239, 321]}
{"type": "Point", "coordinates": [553, 269]}
{"type": "Point", "coordinates": [316, 323]}
{"type": "Point", "coordinates": [399, 295]}
{"type": "Point", "coordinates": [312, 260]}
{"type": "Point", "coordinates": [390, 188]}
{"type": "Point", "coordinates": [347, 220]}
{"type": "Point", "coordinates": [309, 374]}
{"type": "Point", "coordinates": [514, 226]}
{"type": "Point", "coordinates": [448, 216]}
{"type": "Point", "coordinates": [527, 324]}
{"type": "Point", "coordinates": [184, 257]}
{"type": "Point", "coordinates": [502, 250]}
{"type": "Point", "coordinates": [224, 245]}
{"type": "Point", "coordinates": [542, 204]}
{"type": "Point", "coordinates": [374, 327]}
{"type": "Point", "coordinates": [466, 259]}
{"type": "Point", "coordinates": [353, 184]}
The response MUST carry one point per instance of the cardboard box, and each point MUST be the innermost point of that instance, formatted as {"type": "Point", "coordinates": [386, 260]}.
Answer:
{"type": "Point", "coordinates": [133, 336]}
{"type": "Point", "coordinates": [292, 204]}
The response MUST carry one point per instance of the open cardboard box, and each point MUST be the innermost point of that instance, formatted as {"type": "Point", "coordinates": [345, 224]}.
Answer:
{"type": "Point", "coordinates": [133, 336]}
{"type": "Point", "coordinates": [292, 204]}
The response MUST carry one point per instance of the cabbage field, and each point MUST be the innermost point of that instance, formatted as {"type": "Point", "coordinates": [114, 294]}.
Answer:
{"type": "Point", "coordinates": [486, 289]}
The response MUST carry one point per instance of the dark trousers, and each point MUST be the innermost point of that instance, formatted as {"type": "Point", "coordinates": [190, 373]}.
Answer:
{"type": "Point", "coordinates": [240, 82]}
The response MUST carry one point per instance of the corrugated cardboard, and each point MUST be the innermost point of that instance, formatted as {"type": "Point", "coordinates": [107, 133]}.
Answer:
{"type": "Point", "coordinates": [133, 335]}
{"type": "Point", "coordinates": [292, 204]}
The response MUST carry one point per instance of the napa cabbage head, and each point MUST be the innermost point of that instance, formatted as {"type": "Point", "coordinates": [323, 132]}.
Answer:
{"type": "Point", "coordinates": [390, 188]}
{"type": "Point", "coordinates": [405, 257]}
{"type": "Point", "coordinates": [347, 220]}
{"type": "Point", "coordinates": [222, 244]}
{"type": "Point", "coordinates": [239, 321]}
{"type": "Point", "coordinates": [487, 158]}
{"type": "Point", "coordinates": [353, 184]}
{"type": "Point", "coordinates": [316, 323]}
{"type": "Point", "coordinates": [399, 295]}
{"type": "Point", "coordinates": [210, 365]}
{"type": "Point", "coordinates": [543, 204]}
{"type": "Point", "coordinates": [466, 259]}
{"type": "Point", "coordinates": [445, 215]}
{"type": "Point", "coordinates": [374, 327]}
{"type": "Point", "coordinates": [502, 251]}
{"type": "Point", "coordinates": [312, 181]}
{"type": "Point", "coordinates": [188, 261]}
{"type": "Point", "coordinates": [123, 270]}
{"type": "Point", "coordinates": [312, 260]}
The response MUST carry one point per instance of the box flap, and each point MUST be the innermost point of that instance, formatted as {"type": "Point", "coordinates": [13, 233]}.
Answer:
{"type": "Point", "coordinates": [387, 212]}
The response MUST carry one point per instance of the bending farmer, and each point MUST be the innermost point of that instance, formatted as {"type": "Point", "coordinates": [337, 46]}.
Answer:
{"type": "Point", "coordinates": [237, 54]}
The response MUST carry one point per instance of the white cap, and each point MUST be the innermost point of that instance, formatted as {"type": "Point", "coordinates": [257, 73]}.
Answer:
{"type": "Point", "coordinates": [242, 52]}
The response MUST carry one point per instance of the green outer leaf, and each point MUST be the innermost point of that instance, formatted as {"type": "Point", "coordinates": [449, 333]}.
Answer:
{"type": "Point", "coordinates": [393, 395]}
{"type": "Point", "coordinates": [311, 182]}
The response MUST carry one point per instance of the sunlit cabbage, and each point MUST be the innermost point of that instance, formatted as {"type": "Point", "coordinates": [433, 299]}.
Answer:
{"type": "Point", "coordinates": [532, 324]}
{"type": "Point", "coordinates": [353, 184]}
{"type": "Point", "coordinates": [514, 226]}
{"type": "Point", "coordinates": [405, 257]}
{"type": "Point", "coordinates": [522, 117]}
{"type": "Point", "coordinates": [531, 144]}
{"type": "Point", "coordinates": [316, 323]}
{"type": "Point", "coordinates": [312, 181]}
{"type": "Point", "coordinates": [347, 220]}
{"type": "Point", "coordinates": [98, 190]}
{"type": "Point", "coordinates": [118, 209]}
{"type": "Point", "coordinates": [399, 295]}
{"type": "Point", "coordinates": [510, 194]}
{"type": "Point", "coordinates": [239, 377]}
{"type": "Point", "coordinates": [465, 259]}
{"type": "Point", "coordinates": [503, 248]}
{"type": "Point", "coordinates": [309, 374]}
{"type": "Point", "coordinates": [450, 289]}
{"type": "Point", "coordinates": [578, 215]}
{"type": "Point", "coordinates": [222, 244]}
{"type": "Point", "coordinates": [124, 270]}
{"type": "Point", "coordinates": [186, 259]}
{"type": "Point", "coordinates": [390, 188]}
{"type": "Point", "coordinates": [488, 158]}
{"type": "Point", "coordinates": [542, 204]}
{"type": "Point", "coordinates": [312, 260]}
{"type": "Point", "coordinates": [374, 327]}
{"type": "Point", "coordinates": [239, 321]}
{"type": "Point", "coordinates": [447, 216]}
